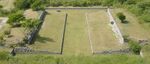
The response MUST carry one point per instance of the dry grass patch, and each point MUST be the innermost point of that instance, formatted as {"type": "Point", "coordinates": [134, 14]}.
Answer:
{"type": "Point", "coordinates": [30, 14]}
{"type": "Point", "coordinates": [7, 4]}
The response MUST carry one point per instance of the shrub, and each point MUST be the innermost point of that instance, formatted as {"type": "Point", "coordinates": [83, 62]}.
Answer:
{"type": "Point", "coordinates": [122, 17]}
{"type": "Point", "coordinates": [15, 18]}
{"type": "Point", "coordinates": [135, 47]}
{"type": "Point", "coordinates": [126, 38]}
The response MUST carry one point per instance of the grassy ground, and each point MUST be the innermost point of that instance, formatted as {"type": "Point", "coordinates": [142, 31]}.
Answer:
{"type": "Point", "coordinates": [81, 59]}
{"type": "Point", "coordinates": [8, 4]}
{"type": "Point", "coordinates": [146, 52]}
{"type": "Point", "coordinates": [133, 28]}
{"type": "Point", "coordinates": [17, 35]}
{"type": "Point", "coordinates": [102, 36]}
{"type": "Point", "coordinates": [76, 38]}
{"type": "Point", "coordinates": [50, 35]}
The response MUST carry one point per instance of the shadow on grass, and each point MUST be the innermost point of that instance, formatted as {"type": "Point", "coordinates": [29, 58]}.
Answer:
{"type": "Point", "coordinates": [44, 39]}
{"type": "Point", "coordinates": [125, 22]}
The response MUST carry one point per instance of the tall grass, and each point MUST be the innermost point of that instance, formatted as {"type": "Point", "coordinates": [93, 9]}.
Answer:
{"type": "Point", "coordinates": [96, 59]}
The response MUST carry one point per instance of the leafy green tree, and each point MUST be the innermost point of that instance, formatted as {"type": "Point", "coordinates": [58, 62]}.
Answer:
{"type": "Point", "coordinates": [22, 4]}
{"type": "Point", "coordinates": [121, 16]}
{"type": "Point", "coordinates": [15, 18]}
{"type": "Point", "coordinates": [37, 5]}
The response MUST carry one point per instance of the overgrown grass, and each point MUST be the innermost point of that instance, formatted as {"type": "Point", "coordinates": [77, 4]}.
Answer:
{"type": "Point", "coordinates": [146, 53]}
{"type": "Point", "coordinates": [80, 59]}
{"type": "Point", "coordinates": [133, 28]}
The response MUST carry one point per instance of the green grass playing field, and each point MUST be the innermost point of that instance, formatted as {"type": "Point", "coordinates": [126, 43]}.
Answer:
{"type": "Point", "coordinates": [102, 36]}
{"type": "Point", "coordinates": [50, 35]}
{"type": "Point", "coordinates": [78, 33]}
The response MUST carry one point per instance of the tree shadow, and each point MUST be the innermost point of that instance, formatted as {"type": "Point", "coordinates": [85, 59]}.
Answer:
{"type": "Point", "coordinates": [125, 22]}
{"type": "Point", "coordinates": [44, 39]}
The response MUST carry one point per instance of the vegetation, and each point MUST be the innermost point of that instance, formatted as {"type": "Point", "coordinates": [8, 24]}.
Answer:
{"type": "Point", "coordinates": [34, 4]}
{"type": "Point", "coordinates": [4, 55]}
{"type": "Point", "coordinates": [135, 47]}
{"type": "Point", "coordinates": [80, 59]}
{"type": "Point", "coordinates": [15, 18]}
{"type": "Point", "coordinates": [122, 17]}
{"type": "Point", "coordinates": [75, 31]}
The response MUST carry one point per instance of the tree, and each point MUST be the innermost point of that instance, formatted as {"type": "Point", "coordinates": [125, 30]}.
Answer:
{"type": "Point", "coordinates": [22, 4]}
{"type": "Point", "coordinates": [15, 18]}
{"type": "Point", "coordinates": [37, 5]}
{"type": "Point", "coordinates": [122, 17]}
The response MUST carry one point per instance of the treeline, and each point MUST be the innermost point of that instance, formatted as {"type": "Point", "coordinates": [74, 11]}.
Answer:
{"type": "Point", "coordinates": [34, 4]}
{"type": "Point", "coordinates": [75, 3]}
{"type": "Point", "coordinates": [141, 8]}
{"type": "Point", "coordinates": [88, 2]}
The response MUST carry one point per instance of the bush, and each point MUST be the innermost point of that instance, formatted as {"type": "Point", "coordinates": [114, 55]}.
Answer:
{"type": "Point", "coordinates": [15, 18]}
{"type": "Point", "coordinates": [135, 47]}
{"type": "Point", "coordinates": [37, 5]}
{"type": "Point", "coordinates": [122, 17]}
{"type": "Point", "coordinates": [126, 38]}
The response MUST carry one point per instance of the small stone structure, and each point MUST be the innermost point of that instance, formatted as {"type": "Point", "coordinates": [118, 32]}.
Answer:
{"type": "Point", "coordinates": [26, 50]}
{"type": "Point", "coordinates": [35, 30]}
{"type": "Point", "coordinates": [121, 51]}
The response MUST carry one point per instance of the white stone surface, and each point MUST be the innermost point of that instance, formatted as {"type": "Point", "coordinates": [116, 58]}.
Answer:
{"type": "Point", "coordinates": [3, 22]}
{"type": "Point", "coordinates": [115, 28]}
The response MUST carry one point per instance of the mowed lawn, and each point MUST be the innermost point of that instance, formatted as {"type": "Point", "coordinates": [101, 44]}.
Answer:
{"type": "Point", "coordinates": [7, 4]}
{"type": "Point", "coordinates": [133, 28]}
{"type": "Point", "coordinates": [50, 35]}
{"type": "Point", "coordinates": [76, 38]}
{"type": "Point", "coordinates": [101, 34]}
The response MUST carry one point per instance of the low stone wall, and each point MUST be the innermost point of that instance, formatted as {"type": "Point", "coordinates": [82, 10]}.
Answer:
{"type": "Point", "coordinates": [35, 30]}
{"type": "Point", "coordinates": [26, 50]}
{"type": "Point", "coordinates": [121, 51]}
